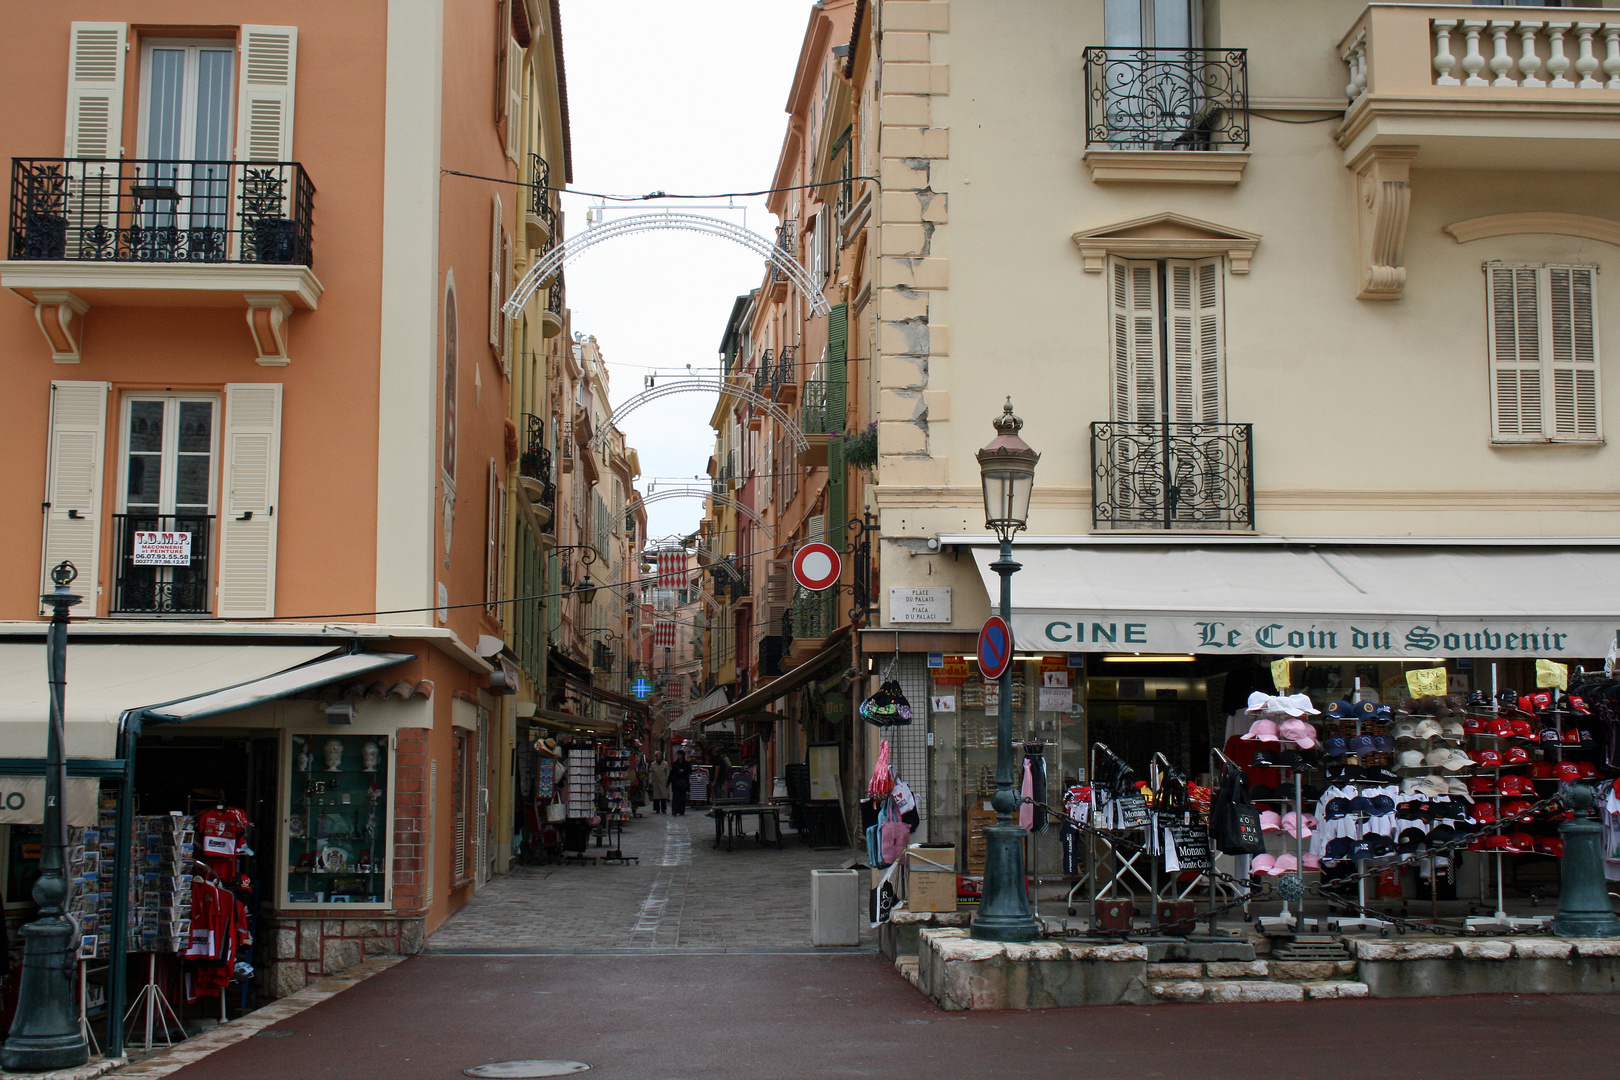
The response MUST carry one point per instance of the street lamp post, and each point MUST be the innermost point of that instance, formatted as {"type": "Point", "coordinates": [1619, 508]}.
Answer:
{"type": "Point", "coordinates": [45, 1034]}
{"type": "Point", "coordinates": [1007, 470]}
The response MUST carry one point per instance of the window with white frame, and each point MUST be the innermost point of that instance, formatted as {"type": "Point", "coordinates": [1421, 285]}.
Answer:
{"type": "Point", "coordinates": [1543, 344]}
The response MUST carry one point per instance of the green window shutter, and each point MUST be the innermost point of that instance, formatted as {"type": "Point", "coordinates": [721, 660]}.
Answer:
{"type": "Point", "coordinates": [837, 366]}
{"type": "Point", "coordinates": [836, 474]}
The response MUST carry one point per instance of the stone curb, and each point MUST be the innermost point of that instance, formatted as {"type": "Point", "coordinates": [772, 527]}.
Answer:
{"type": "Point", "coordinates": [177, 1057]}
{"type": "Point", "coordinates": [88, 1071]}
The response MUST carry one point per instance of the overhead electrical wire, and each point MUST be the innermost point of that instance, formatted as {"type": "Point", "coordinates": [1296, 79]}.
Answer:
{"type": "Point", "coordinates": [651, 195]}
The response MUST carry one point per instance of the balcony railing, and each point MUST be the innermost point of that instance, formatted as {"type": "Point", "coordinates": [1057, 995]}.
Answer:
{"type": "Point", "coordinates": [814, 614]}
{"type": "Point", "coordinates": [535, 464]}
{"type": "Point", "coordinates": [1172, 475]}
{"type": "Point", "coordinates": [1167, 99]}
{"type": "Point", "coordinates": [162, 564]}
{"type": "Point", "coordinates": [540, 194]}
{"type": "Point", "coordinates": [785, 242]}
{"type": "Point", "coordinates": [554, 297]}
{"type": "Point", "coordinates": [155, 211]}
{"type": "Point", "coordinates": [815, 415]}
{"type": "Point", "coordinates": [787, 371]}
{"type": "Point", "coordinates": [764, 373]}
{"type": "Point", "coordinates": [731, 579]}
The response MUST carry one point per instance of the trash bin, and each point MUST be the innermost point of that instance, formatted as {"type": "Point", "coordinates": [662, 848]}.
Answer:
{"type": "Point", "coordinates": [835, 906]}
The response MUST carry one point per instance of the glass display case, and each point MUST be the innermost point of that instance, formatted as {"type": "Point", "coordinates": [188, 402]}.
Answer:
{"type": "Point", "coordinates": [338, 821]}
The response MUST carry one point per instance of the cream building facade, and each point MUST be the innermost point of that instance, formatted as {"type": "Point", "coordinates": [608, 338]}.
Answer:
{"type": "Point", "coordinates": [1303, 305]}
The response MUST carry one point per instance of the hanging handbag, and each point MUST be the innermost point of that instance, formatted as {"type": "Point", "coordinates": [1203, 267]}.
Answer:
{"type": "Point", "coordinates": [556, 812]}
{"type": "Point", "coordinates": [1236, 827]}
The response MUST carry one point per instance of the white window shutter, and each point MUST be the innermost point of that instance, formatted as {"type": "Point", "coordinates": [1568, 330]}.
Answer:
{"type": "Point", "coordinates": [1195, 345]}
{"type": "Point", "coordinates": [495, 264]}
{"type": "Point", "coordinates": [1574, 368]}
{"type": "Point", "coordinates": [514, 97]}
{"type": "Point", "coordinates": [264, 97]}
{"type": "Point", "coordinates": [73, 472]}
{"type": "Point", "coordinates": [247, 533]}
{"type": "Point", "coordinates": [1135, 328]}
{"type": "Point", "coordinates": [817, 527]}
{"type": "Point", "coordinates": [1514, 332]}
{"type": "Point", "coordinates": [95, 101]}
{"type": "Point", "coordinates": [508, 324]}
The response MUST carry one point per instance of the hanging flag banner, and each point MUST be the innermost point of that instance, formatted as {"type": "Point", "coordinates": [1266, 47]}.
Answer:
{"type": "Point", "coordinates": [664, 634]}
{"type": "Point", "coordinates": [671, 568]}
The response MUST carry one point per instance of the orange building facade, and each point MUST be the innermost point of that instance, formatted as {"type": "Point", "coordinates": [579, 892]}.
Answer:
{"type": "Point", "coordinates": [258, 378]}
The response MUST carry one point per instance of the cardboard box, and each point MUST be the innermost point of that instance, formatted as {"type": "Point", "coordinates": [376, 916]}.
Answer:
{"type": "Point", "coordinates": [931, 890]}
{"type": "Point", "coordinates": [937, 857]}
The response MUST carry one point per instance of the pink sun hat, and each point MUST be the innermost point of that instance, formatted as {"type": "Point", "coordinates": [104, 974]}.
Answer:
{"type": "Point", "coordinates": [1262, 730]}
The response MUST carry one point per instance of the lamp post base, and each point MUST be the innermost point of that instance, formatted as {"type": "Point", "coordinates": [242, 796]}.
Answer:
{"type": "Point", "coordinates": [46, 1034]}
{"type": "Point", "coordinates": [1004, 913]}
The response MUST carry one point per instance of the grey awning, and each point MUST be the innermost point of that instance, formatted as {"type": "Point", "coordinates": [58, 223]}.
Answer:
{"type": "Point", "coordinates": [270, 687]}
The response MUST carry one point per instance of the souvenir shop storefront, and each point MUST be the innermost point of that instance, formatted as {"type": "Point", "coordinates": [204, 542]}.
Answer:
{"type": "Point", "coordinates": [1145, 657]}
{"type": "Point", "coordinates": [580, 779]}
{"type": "Point", "coordinates": [249, 796]}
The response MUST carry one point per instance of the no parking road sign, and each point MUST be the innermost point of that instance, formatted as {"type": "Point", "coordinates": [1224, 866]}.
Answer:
{"type": "Point", "coordinates": [995, 647]}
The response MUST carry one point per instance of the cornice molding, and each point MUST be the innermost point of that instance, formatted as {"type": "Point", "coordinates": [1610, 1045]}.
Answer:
{"type": "Point", "coordinates": [1538, 222]}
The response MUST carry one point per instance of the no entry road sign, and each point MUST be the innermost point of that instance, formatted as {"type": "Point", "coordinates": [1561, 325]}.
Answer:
{"type": "Point", "coordinates": [816, 566]}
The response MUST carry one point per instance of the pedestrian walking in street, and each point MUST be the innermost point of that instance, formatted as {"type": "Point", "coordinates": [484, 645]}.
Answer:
{"type": "Point", "coordinates": [680, 781]}
{"type": "Point", "coordinates": [658, 778]}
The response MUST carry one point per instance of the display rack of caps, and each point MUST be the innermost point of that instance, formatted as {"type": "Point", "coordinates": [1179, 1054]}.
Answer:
{"type": "Point", "coordinates": [1287, 739]}
{"type": "Point", "coordinates": [1523, 747]}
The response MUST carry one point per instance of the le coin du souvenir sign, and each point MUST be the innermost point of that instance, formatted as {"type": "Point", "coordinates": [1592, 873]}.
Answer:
{"type": "Point", "coordinates": [1373, 638]}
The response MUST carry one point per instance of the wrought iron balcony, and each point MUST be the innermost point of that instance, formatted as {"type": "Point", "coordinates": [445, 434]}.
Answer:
{"type": "Point", "coordinates": [534, 470]}
{"type": "Point", "coordinates": [786, 235]}
{"type": "Point", "coordinates": [543, 217]}
{"type": "Point", "coordinates": [155, 211]}
{"type": "Point", "coordinates": [784, 386]}
{"type": "Point", "coordinates": [162, 575]}
{"type": "Point", "coordinates": [814, 615]}
{"type": "Point", "coordinates": [815, 416]}
{"type": "Point", "coordinates": [1172, 475]}
{"type": "Point", "coordinates": [730, 579]}
{"type": "Point", "coordinates": [1167, 99]}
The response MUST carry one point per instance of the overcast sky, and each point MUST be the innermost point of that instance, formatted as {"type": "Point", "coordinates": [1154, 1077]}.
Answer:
{"type": "Point", "coordinates": [685, 98]}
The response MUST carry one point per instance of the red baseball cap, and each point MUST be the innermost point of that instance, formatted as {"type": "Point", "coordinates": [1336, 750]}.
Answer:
{"type": "Point", "coordinates": [1484, 813]}
{"type": "Point", "coordinates": [1588, 770]}
{"type": "Point", "coordinates": [1539, 701]}
{"type": "Point", "coordinates": [1550, 845]}
{"type": "Point", "coordinates": [1572, 736]}
{"type": "Point", "coordinates": [1500, 728]}
{"type": "Point", "coordinates": [1484, 785]}
{"type": "Point", "coordinates": [1516, 755]}
{"type": "Point", "coordinates": [1488, 758]}
{"type": "Point", "coordinates": [1567, 770]}
{"type": "Point", "coordinates": [1541, 770]}
{"type": "Point", "coordinates": [1522, 729]}
{"type": "Point", "coordinates": [1473, 726]}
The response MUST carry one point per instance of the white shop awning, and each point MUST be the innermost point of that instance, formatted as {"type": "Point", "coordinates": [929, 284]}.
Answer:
{"type": "Point", "coordinates": [1396, 602]}
{"type": "Point", "coordinates": [280, 685]}
{"type": "Point", "coordinates": [104, 681]}
{"type": "Point", "coordinates": [712, 702]}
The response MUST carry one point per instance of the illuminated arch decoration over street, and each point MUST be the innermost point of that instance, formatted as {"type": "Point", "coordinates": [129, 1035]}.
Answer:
{"type": "Point", "coordinates": [714, 386]}
{"type": "Point", "coordinates": [677, 220]}
{"type": "Point", "coordinates": [694, 491]}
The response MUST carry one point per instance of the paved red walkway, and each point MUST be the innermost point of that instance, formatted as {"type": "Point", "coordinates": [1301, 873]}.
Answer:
{"type": "Point", "coordinates": [802, 1017]}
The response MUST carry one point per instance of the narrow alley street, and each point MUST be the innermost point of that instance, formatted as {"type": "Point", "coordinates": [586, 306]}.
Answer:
{"type": "Point", "coordinates": [682, 894]}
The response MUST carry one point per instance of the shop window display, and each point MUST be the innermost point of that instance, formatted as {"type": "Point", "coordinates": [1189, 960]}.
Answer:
{"type": "Point", "coordinates": [337, 832]}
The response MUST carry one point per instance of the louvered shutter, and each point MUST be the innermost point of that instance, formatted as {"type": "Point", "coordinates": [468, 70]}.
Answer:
{"type": "Point", "coordinates": [247, 534]}
{"type": "Point", "coordinates": [495, 264]}
{"type": "Point", "coordinates": [835, 493]}
{"type": "Point", "coordinates": [492, 542]}
{"type": "Point", "coordinates": [95, 103]}
{"type": "Point", "coordinates": [514, 97]}
{"type": "Point", "coordinates": [1194, 308]}
{"type": "Point", "coordinates": [837, 366]}
{"type": "Point", "coordinates": [73, 471]}
{"type": "Point", "coordinates": [508, 324]}
{"type": "Point", "coordinates": [817, 527]}
{"type": "Point", "coordinates": [1574, 370]}
{"type": "Point", "coordinates": [95, 125]}
{"type": "Point", "coordinates": [1515, 351]}
{"type": "Point", "coordinates": [264, 97]}
{"type": "Point", "coordinates": [1134, 298]}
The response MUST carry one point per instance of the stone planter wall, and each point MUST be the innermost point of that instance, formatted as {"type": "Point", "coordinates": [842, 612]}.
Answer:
{"type": "Point", "coordinates": [1440, 967]}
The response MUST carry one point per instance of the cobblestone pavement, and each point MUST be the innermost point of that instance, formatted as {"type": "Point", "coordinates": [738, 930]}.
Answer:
{"type": "Point", "coordinates": [682, 895]}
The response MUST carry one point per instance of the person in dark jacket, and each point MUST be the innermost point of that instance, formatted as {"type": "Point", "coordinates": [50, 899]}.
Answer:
{"type": "Point", "coordinates": [680, 783]}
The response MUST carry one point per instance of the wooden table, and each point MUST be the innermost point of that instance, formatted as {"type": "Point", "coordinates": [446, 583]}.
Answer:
{"type": "Point", "coordinates": [726, 816]}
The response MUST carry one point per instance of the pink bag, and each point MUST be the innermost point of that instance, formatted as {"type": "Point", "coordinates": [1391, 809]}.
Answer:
{"type": "Point", "coordinates": [895, 836]}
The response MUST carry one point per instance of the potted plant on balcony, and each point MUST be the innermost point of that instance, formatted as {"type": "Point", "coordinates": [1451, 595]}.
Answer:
{"type": "Point", "coordinates": [860, 449]}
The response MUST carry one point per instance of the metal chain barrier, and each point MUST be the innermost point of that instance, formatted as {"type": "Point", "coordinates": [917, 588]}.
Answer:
{"type": "Point", "coordinates": [1254, 894]}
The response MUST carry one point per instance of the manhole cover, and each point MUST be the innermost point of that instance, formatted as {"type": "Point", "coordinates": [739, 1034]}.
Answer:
{"type": "Point", "coordinates": [271, 1034]}
{"type": "Point", "coordinates": [522, 1070]}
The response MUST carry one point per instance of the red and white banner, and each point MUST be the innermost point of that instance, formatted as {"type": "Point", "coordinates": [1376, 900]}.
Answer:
{"type": "Point", "coordinates": [671, 568]}
{"type": "Point", "coordinates": [664, 634]}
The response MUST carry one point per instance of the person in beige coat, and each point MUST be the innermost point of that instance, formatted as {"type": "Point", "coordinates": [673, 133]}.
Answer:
{"type": "Point", "coordinates": [658, 779]}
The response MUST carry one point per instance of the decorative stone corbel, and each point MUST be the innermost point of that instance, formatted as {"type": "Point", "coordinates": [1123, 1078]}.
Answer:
{"type": "Point", "coordinates": [267, 321]}
{"type": "Point", "coordinates": [1383, 207]}
{"type": "Point", "coordinates": [60, 316]}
